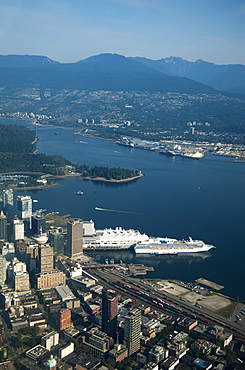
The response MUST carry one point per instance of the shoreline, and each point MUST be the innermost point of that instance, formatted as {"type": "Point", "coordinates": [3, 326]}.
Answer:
{"type": "Point", "coordinates": [41, 187]}
{"type": "Point", "coordinates": [237, 157]}
{"type": "Point", "coordinates": [116, 181]}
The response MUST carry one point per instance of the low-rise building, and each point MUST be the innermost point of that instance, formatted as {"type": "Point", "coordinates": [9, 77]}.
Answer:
{"type": "Point", "coordinates": [150, 366]}
{"type": "Point", "coordinates": [177, 345]}
{"type": "Point", "coordinates": [71, 269]}
{"type": "Point", "coordinates": [187, 324]}
{"type": "Point", "coordinates": [37, 353]}
{"type": "Point", "coordinates": [226, 338]}
{"type": "Point", "coordinates": [205, 346]}
{"type": "Point", "coordinates": [66, 350]}
{"type": "Point", "coordinates": [73, 303]}
{"type": "Point", "coordinates": [64, 293]}
{"type": "Point", "coordinates": [83, 362]}
{"type": "Point", "coordinates": [201, 364]}
{"type": "Point", "coordinates": [97, 289]}
{"type": "Point", "coordinates": [83, 282]}
{"type": "Point", "coordinates": [170, 363]}
{"type": "Point", "coordinates": [9, 299]}
{"type": "Point", "coordinates": [118, 353]}
{"type": "Point", "coordinates": [93, 308]}
{"type": "Point", "coordinates": [17, 318]}
{"type": "Point", "coordinates": [70, 334]}
{"type": "Point", "coordinates": [37, 321]}
{"type": "Point", "coordinates": [157, 354]}
{"type": "Point", "coordinates": [98, 342]}
{"type": "Point", "coordinates": [85, 296]}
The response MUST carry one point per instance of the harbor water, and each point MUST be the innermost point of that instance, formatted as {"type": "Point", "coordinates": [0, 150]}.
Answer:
{"type": "Point", "coordinates": [178, 197]}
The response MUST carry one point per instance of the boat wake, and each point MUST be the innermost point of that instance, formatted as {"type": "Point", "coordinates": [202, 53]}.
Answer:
{"type": "Point", "coordinates": [119, 211]}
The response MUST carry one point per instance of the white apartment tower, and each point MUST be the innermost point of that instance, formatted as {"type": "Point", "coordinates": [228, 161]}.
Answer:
{"type": "Point", "coordinates": [24, 210]}
{"type": "Point", "coordinates": [17, 229]}
{"type": "Point", "coordinates": [8, 203]}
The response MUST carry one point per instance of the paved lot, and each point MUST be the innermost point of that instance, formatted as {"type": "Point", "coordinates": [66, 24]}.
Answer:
{"type": "Point", "coordinates": [213, 302]}
{"type": "Point", "coordinates": [237, 313]}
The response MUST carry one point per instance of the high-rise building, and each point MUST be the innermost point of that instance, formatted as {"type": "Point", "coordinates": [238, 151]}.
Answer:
{"type": "Point", "coordinates": [45, 258]}
{"type": "Point", "coordinates": [8, 203]}
{"type": "Point", "coordinates": [24, 211]}
{"type": "Point", "coordinates": [56, 239]}
{"type": "Point", "coordinates": [15, 267]}
{"type": "Point", "coordinates": [3, 226]}
{"type": "Point", "coordinates": [65, 319]}
{"type": "Point", "coordinates": [21, 282]}
{"type": "Point", "coordinates": [8, 251]}
{"type": "Point", "coordinates": [38, 224]}
{"type": "Point", "coordinates": [31, 257]}
{"type": "Point", "coordinates": [16, 229]}
{"type": "Point", "coordinates": [132, 329]}
{"type": "Point", "coordinates": [2, 270]}
{"type": "Point", "coordinates": [109, 313]}
{"type": "Point", "coordinates": [18, 276]}
{"type": "Point", "coordinates": [74, 246]}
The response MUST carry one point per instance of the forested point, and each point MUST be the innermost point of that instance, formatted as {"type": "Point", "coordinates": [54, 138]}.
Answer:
{"type": "Point", "coordinates": [18, 154]}
{"type": "Point", "coordinates": [108, 173]}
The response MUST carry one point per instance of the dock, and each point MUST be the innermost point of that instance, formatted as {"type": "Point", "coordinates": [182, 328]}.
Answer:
{"type": "Point", "coordinates": [209, 284]}
{"type": "Point", "coordinates": [136, 270]}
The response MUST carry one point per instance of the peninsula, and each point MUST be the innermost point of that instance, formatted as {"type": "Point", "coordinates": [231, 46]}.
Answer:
{"type": "Point", "coordinates": [23, 167]}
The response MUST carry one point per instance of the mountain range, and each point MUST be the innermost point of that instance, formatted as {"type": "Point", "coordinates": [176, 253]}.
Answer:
{"type": "Point", "coordinates": [116, 72]}
{"type": "Point", "coordinates": [229, 77]}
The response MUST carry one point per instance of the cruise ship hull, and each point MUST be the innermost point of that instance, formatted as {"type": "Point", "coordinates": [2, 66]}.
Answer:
{"type": "Point", "coordinates": [166, 246]}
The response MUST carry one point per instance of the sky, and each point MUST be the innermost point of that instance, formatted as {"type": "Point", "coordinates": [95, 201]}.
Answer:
{"type": "Point", "coordinates": [71, 30]}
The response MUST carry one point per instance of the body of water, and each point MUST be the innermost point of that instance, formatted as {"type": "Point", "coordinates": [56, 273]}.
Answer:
{"type": "Point", "coordinates": [178, 197]}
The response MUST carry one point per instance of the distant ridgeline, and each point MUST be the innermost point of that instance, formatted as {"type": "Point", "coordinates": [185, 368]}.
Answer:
{"type": "Point", "coordinates": [18, 154]}
{"type": "Point", "coordinates": [111, 96]}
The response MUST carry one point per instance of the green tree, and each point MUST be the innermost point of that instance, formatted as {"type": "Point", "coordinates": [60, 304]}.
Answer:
{"type": "Point", "coordinates": [1, 356]}
{"type": "Point", "coordinates": [35, 331]}
{"type": "Point", "coordinates": [231, 357]}
{"type": "Point", "coordinates": [16, 342]}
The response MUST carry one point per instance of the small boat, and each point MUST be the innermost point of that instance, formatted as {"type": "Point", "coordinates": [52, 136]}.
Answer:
{"type": "Point", "coordinates": [56, 133]}
{"type": "Point", "coordinates": [79, 192]}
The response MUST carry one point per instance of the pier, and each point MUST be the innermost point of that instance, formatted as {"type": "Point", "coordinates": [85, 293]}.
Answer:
{"type": "Point", "coordinates": [209, 284]}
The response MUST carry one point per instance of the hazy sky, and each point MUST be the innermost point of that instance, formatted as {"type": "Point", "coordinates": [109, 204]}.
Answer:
{"type": "Point", "coordinates": [71, 30]}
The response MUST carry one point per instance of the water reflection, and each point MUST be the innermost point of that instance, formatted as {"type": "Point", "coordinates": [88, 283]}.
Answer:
{"type": "Point", "coordinates": [148, 260]}
{"type": "Point", "coordinates": [108, 184]}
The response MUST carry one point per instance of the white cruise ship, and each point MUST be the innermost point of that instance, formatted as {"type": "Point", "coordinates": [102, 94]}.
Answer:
{"type": "Point", "coordinates": [117, 238]}
{"type": "Point", "coordinates": [171, 246]}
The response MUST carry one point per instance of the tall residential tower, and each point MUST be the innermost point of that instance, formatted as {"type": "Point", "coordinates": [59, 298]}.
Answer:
{"type": "Point", "coordinates": [109, 313]}
{"type": "Point", "coordinates": [132, 330]}
{"type": "Point", "coordinates": [74, 246]}
{"type": "Point", "coordinates": [24, 211]}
